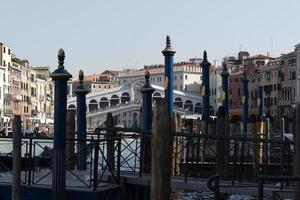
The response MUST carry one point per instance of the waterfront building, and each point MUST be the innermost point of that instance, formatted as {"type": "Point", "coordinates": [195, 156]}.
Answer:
{"type": "Point", "coordinates": [251, 66]}
{"type": "Point", "coordinates": [5, 63]}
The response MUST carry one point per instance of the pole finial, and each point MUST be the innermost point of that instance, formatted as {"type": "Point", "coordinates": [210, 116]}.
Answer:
{"type": "Point", "coordinates": [205, 55]}
{"type": "Point", "coordinates": [80, 76]}
{"type": "Point", "coordinates": [61, 58]}
{"type": "Point", "coordinates": [168, 50]}
{"type": "Point", "coordinates": [147, 76]}
{"type": "Point", "coordinates": [168, 42]}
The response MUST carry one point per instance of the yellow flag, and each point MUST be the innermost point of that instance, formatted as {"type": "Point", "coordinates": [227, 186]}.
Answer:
{"type": "Point", "coordinates": [258, 102]}
{"type": "Point", "coordinates": [202, 90]}
{"type": "Point", "coordinates": [222, 95]}
{"type": "Point", "coordinates": [166, 83]}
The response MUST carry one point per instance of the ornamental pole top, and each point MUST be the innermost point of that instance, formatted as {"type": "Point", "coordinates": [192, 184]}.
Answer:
{"type": "Point", "coordinates": [61, 58]}
{"type": "Point", "coordinates": [205, 62]}
{"type": "Point", "coordinates": [168, 50]}
{"type": "Point", "coordinates": [147, 76]}
{"type": "Point", "coordinates": [80, 76]}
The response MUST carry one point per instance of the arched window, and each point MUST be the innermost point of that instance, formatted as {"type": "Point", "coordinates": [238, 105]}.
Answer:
{"type": "Point", "coordinates": [103, 102]}
{"type": "Point", "coordinates": [114, 100]}
{"type": "Point", "coordinates": [188, 105]}
{"type": "Point", "coordinates": [125, 98]}
{"type": "Point", "coordinates": [93, 105]}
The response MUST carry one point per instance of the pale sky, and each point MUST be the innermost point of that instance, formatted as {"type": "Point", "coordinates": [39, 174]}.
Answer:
{"type": "Point", "coordinates": [110, 34]}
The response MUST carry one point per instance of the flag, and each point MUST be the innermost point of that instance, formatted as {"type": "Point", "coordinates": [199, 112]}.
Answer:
{"type": "Point", "coordinates": [166, 83]}
{"type": "Point", "coordinates": [258, 102]}
{"type": "Point", "coordinates": [222, 95]}
{"type": "Point", "coordinates": [202, 90]}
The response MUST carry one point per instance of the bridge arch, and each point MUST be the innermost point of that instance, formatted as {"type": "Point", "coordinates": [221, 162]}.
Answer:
{"type": "Point", "coordinates": [178, 102]}
{"type": "Point", "coordinates": [114, 100]}
{"type": "Point", "coordinates": [72, 107]}
{"type": "Point", "coordinates": [125, 97]}
{"type": "Point", "coordinates": [103, 103]}
{"type": "Point", "coordinates": [188, 105]}
{"type": "Point", "coordinates": [198, 108]}
{"type": "Point", "coordinates": [156, 96]}
{"type": "Point", "coordinates": [93, 105]}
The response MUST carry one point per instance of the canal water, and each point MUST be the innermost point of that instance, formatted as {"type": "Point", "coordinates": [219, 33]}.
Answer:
{"type": "Point", "coordinates": [196, 195]}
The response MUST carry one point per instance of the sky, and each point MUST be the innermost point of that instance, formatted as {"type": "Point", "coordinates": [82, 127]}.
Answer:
{"type": "Point", "coordinates": [98, 35]}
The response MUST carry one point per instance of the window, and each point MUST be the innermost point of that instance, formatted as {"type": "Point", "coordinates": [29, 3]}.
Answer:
{"type": "Point", "coordinates": [3, 49]}
{"type": "Point", "coordinates": [4, 63]}
{"type": "Point", "coordinates": [186, 77]}
{"type": "Point", "coordinates": [175, 77]}
{"type": "Point", "coordinates": [8, 51]}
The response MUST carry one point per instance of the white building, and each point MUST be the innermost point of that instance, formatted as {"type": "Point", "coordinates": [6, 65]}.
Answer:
{"type": "Point", "coordinates": [5, 63]}
{"type": "Point", "coordinates": [187, 78]}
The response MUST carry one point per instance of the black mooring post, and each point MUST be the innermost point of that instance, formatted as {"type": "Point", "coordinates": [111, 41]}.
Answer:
{"type": "Point", "coordinates": [60, 77]}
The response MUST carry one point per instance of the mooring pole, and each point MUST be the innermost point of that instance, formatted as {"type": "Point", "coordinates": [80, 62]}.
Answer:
{"type": "Point", "coordinates": [81, 92]}
{"type": "Point", "coordinates": [60, 77]}
{"type": "Point", "coordinates": [221, 165]}
{"type": "Point", "coordinates": [168, 53]}
{"type": "Point", "coordinates": [161, 157]}
{"type": "Point", "coordinates": [147, 91]}
{"type": "Point", "coordinates": [205, 91]}
{"type": "Point", "coordinates": [70, 142]}
{"type": "Point", "coordinates": [245, 103]}
{"type": "Point", "coordinates": [224, 93]}
{"type": "Point", "coordinates": [110, 143]}
{"type": "Point", "coordinates": [260, 110]}
{"type": "Point", "coordinates": [17, 140]}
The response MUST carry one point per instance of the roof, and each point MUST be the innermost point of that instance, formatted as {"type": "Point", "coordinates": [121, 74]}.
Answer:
{"type": "Point", "coordinates": [259, 56]}
{"type": "Point", "coordinates": [112, 72]}
{"type": "Point", "coordinates": [41, 68]}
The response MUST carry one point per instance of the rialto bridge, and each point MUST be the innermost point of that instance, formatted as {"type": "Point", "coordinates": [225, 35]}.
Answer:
{"type": "Point", "coordinates": [124, 102]}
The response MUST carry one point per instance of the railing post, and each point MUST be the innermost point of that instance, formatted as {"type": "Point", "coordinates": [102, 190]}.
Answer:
{"type": "Point", "coordinates": [147, 91]}
{"type": "Point", "coordinates": [282, 146]}
{"type": "Point", "coordinates": [17, 143]}
{"type": "Point", "coordinates": [30, 161]}
{"type": "Point", "coordinates": [221, 165]}
{"type": "Point", "coordinates": [96, 160]}
{"type": "Point", "coordinates": [187, 154]}
{"type": "Point", "coordinates": [110, 143]}
{"type": "Point", "coordinates": [119, 160]}
{"type": "Point", "coordinates": [236, 148]}
{"type": "Point", "coordinates": [60, 77]}
{"type": "Point", "coordinates": [255, 145]}
{"type": "Point", "coordinates": [81, 92]}
{"type": "Point", "coordinates": [70, 142]}
{"type": "Point", "coordinates": [266, 144]}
